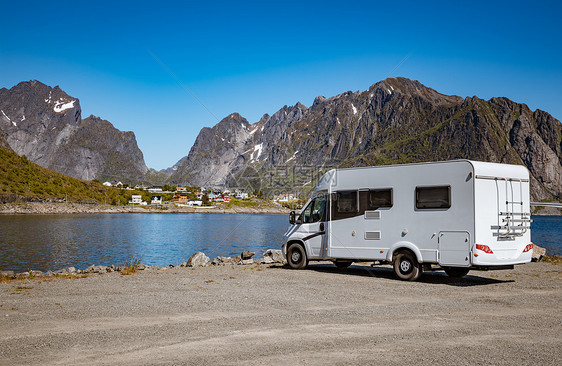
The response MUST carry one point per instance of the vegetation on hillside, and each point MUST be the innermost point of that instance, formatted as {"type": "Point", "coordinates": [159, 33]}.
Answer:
{"type": "Point", "coordinates": [21, 179]}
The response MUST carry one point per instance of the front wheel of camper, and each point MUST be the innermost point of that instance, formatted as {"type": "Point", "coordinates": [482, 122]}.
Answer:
{"type": "Point", "coordinates": [296, 256]}
{"type": "Point", "coordinates": [406, 267]}
{"type": "Point", "coordinates": [456, 272]}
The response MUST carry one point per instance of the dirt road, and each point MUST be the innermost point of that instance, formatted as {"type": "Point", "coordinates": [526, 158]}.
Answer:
{"type": "Point", "coordinates": [256, 315]}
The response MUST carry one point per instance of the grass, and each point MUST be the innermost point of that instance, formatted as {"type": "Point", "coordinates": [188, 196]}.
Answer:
{"type": "Point", "coordinates": [131, 266]}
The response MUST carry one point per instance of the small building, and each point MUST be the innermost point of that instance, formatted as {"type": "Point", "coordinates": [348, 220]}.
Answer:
{"type": "Point", "coordinates": [155, 189]}
{"type": "Point", "coordinates": [222, 198]}
{"type": "Point", "coordinates": [180, 189]}
{"type": "Point", "coordinates": [136, 199]}
{"type": "Point", "coordinates": [242, 195]}
{"type": "Point", "coordinates": [156, 200]}
{"type": "Point", "coordinates": [107, 184]}
{"type": "Point", "coordinates": [285, 197]}
{"type": "Point", "coordinates": [195, 202]}
{"type": "Point", "coordinates": [180, 198]}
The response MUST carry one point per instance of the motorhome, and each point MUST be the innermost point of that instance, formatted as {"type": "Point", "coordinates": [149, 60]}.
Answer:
{"type": "Point", "coordinates": [456, 215]}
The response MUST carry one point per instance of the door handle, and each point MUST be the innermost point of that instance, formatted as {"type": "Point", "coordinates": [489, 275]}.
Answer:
{"type": "Point", "coordinates": [321, 226]}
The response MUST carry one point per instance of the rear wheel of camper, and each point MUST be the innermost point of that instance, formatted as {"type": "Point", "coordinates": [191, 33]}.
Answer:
{"type": "Point", "coordinates": [406, 266]}
{"type": "Point", "coordinates": [296, 256]}
{"type": "Point", "coordinates": [456, 272]}
{"type": "Point", "coordinates": [343, 264]}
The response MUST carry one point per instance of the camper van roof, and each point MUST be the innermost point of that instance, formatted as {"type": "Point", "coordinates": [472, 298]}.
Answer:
{"type": "Point", "coordinates": [480, 168]}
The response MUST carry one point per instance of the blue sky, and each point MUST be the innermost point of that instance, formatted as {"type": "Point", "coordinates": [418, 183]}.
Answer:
{"type": "Point", "coordinates": [255, 57]}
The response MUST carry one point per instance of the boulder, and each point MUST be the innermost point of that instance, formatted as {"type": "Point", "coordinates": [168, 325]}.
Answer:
{"type": "Point", "coordinates": [198, 259]}
{"type": "Point", "coordinates": [266, 260]}
{"type": "Point", "coordinates": [275, 255]}
{"type": "Point", "coordinates": [538, 253]}
{"type": "Point", "coordinates": [247, 255]}
{"type": "Point", "coordinates": [221, 261]}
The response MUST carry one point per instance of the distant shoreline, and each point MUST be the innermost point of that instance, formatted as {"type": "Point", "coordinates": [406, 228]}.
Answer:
{"type": "Point", "coordinates": [75, 208]}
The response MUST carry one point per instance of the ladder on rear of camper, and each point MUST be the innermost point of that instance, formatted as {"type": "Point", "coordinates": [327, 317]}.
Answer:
{"type": "Point", "coordinates": [512, 220]}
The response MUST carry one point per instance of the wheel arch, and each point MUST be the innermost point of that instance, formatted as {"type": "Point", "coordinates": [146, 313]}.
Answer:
{"type": "Point", "coordinates": [397, 247]}
{"type": "Point", "coordinates": [299, 242]}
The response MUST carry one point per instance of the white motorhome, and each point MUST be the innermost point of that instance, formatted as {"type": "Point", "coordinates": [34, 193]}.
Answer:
{"type": "Point", "coordinates": [459, 214]}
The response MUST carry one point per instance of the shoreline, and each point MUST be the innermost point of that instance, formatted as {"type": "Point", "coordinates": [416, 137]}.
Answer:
{"type": "Point", "coordinates": [35, 208]}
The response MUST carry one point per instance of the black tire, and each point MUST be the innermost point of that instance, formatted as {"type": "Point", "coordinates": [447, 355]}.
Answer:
{"type": "Point", "coordinates": [296, 256]}
{"type": "Point", "coordinates": [342, 264]}
{"type": "Point", "coordinates": [456, 272]}
{"type": "Point", "coordinates": [406, 266]}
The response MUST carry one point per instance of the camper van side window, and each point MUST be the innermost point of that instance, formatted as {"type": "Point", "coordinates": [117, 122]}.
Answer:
{"type": "Point", "coordinates": [380, 198]}
{"type": "Point", "coordinates": [433, 197]}
{"type": "Point", "coordinates": [345, 205]}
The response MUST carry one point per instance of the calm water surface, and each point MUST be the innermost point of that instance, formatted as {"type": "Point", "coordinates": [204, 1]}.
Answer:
{"type": "Point", "coordinates": [50, 242]}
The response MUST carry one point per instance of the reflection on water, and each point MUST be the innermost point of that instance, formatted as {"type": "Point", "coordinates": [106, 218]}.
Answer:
{"type": "Point", "coordinates": [48, 242]}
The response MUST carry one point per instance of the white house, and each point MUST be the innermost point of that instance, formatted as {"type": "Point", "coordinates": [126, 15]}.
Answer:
{"type": "Point", "coordinates": [136, 199]}
{"type": "Point", "coordinates": [195, 203]}
{"type": "Point", "coordinates": [155, 189]}
{"type": "Point", "coordinates": [107, 184]}
{"type": "Point", "coordinates": [242, 195]}
{"type": "Point", "coordinates": [285, 197]}
{"type": "Point", "coordinates": [156, 200]}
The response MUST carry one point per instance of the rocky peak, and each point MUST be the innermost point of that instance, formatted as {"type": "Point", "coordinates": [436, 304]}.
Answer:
{"type": "Point", "coordinates": [413, 88]}
{"type": "Point", "coordinates": [45, 124]}
{"type": "Point", "coordinates": [396, 120]}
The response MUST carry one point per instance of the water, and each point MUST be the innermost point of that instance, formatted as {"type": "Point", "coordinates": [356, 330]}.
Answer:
{"type": "Point", "coordinates": [50, 242]}
{"type": "Point", "coordinates": [546, 231]}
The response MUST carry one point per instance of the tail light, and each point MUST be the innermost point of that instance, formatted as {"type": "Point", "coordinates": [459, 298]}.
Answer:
{"type": "Point", "coordinates": [528, 247]}
{"type": "Point", "coordinates": [484, 248]}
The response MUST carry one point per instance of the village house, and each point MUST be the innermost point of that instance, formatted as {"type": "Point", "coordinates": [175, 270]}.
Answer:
{"type": "Point", "coordinates": [180, 198]}
{"type": "Point", "coordinates": [242, 195]}
{"type": "Point", "coordinates": [195, 202]}
{"type": "Point", "coordinates": [156, 200]}
{"type": "Point", "coordinates": [136, 199]}
{"type": "Point", "coordinates": [222, 198]}
{"type": "Point", "coordinates": [155, 189]}
{"type": "Point", "coordinates": [285, 197]}
{"type": "Point", "coordinates": [180, 189]}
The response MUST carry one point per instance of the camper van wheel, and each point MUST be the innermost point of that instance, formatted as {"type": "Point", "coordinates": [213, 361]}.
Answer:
{"type": "Point", "coordinates": [406, 267]}
{"type": "Point", "coordinates": [456, 272]}
{"type": "Point", "coordinates": [296, 256]}
{"type": "Point", "coordinates": [343, 264]}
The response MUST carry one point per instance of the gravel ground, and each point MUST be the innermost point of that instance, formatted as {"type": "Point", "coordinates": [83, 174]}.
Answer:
{"type": "Point", "coordinates": [259, 315]}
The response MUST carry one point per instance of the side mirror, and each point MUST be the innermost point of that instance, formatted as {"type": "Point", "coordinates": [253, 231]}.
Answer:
{"type": "Point", "coordinates": [292, 218]}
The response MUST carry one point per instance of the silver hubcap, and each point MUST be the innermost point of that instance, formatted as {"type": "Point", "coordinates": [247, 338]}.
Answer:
{"type": "Point", "coordinates": [295, 257]}
{"type": "Point", "coordinates": [405, 266]}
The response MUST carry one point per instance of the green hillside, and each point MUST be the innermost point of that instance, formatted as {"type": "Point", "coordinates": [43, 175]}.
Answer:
{"type": "Point", "coordinates": [23, 180]}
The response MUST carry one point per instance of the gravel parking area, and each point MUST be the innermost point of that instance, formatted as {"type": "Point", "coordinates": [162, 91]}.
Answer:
{"type": "Point", "coordinates": [257, 315]}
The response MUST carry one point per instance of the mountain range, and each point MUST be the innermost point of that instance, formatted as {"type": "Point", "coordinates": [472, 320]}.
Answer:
{"type": "Point", "coordinates": [46, 126]}
{"type": "Point", "coordinates": [396, 120]}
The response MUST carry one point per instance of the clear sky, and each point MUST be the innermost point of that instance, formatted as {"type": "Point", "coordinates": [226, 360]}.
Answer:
{"type": "Point", "coordinates": [123, 60]}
